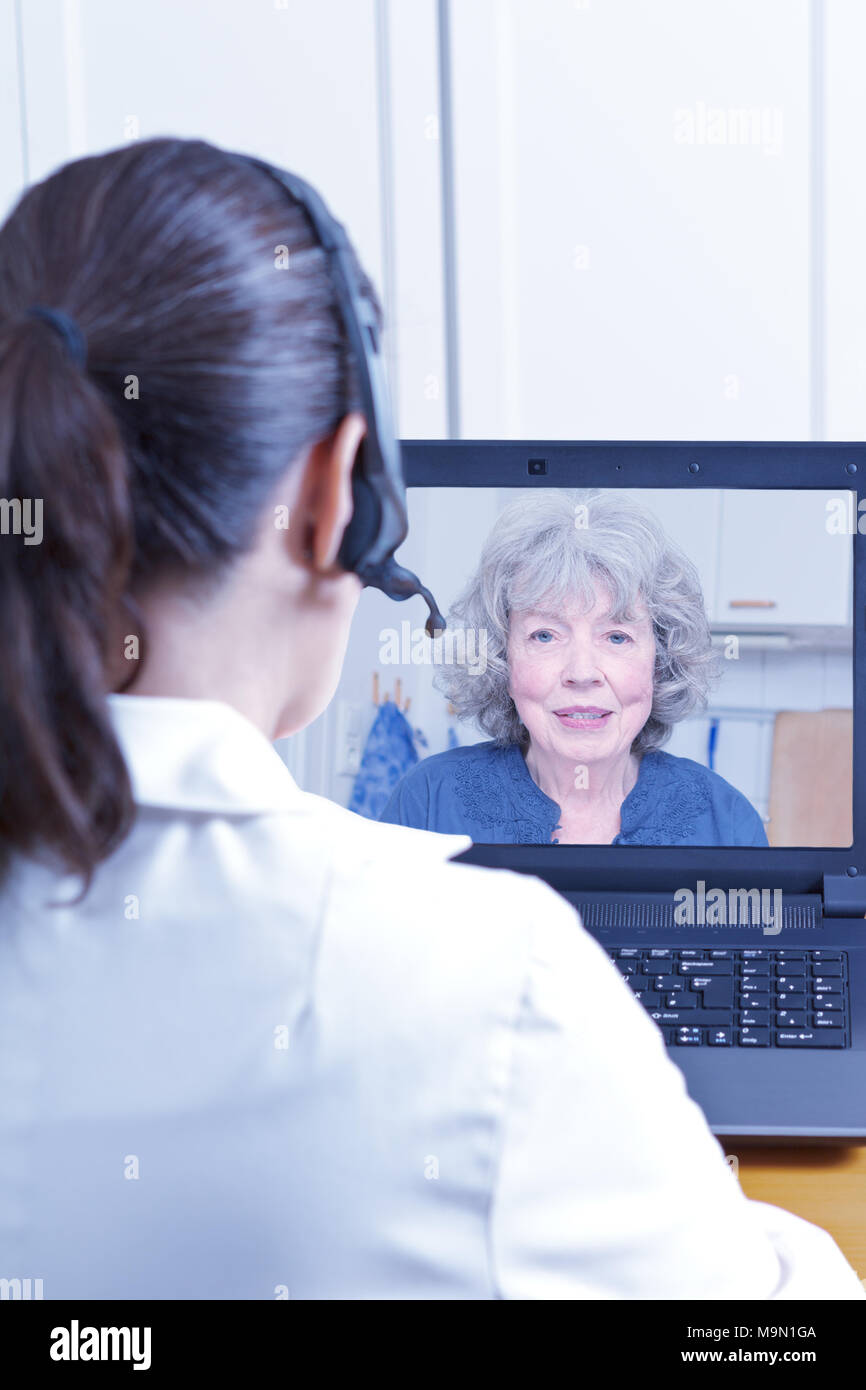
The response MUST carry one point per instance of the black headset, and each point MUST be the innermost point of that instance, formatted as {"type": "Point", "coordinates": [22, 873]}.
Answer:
{"type": "Point", "coordinates": [379, 522]}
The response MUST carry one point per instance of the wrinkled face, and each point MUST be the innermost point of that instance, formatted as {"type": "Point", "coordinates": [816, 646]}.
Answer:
{"type": "Point", "coordinates": [582, 684]}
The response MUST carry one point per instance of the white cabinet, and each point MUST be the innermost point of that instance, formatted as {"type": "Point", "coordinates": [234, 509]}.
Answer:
{"type": "Point", "coordinates": [778, 563]}
{"type": "Point", "coordinates": [765, 558]}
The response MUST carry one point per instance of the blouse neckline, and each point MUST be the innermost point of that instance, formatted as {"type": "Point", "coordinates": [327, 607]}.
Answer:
{"type": "Point", "coordinates": [546, 812]}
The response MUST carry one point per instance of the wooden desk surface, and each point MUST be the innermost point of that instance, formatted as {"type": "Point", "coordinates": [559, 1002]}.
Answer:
{"type": "Point", "coordinates": [824, 1185]}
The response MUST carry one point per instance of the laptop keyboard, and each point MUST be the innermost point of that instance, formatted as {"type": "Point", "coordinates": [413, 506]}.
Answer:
{"type": "Point", "coordinates": [741, 997]}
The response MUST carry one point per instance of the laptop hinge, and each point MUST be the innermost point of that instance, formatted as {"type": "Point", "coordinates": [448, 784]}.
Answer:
{"type": "Point", "coordinates": [844, 896]}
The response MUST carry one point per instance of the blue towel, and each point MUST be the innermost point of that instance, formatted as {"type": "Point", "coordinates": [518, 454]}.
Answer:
{"type": "Point", "coordinates": [711, 744]}
{"type": "Point", "coordinates": [388, 753]}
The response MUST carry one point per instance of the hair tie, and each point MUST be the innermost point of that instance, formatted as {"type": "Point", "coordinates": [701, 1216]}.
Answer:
{"type": "Point", "coordinates": [73, 338]}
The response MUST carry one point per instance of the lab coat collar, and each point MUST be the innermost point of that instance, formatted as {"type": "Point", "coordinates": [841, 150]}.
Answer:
{"type": "Point", "coordinates": [199, 755]}
{"type": "Point", "coordinates": [204, 755]}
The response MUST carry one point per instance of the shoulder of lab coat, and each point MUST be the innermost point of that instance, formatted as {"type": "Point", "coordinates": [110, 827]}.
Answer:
{"type": "Point", "coordinates": [471, 1104]}
{"type": "Point", "coordinates": [656, 1209]}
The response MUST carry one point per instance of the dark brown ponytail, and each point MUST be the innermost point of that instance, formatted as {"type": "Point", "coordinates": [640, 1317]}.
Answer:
{"type": "Point", "coordinates": [207, 373]}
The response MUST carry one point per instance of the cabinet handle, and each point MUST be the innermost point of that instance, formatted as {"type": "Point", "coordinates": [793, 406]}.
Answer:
{"type": "Point", "coordinates": [752, 603]}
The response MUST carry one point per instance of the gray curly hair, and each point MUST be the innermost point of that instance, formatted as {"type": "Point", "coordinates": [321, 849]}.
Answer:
{"type": "Point", "coordinates": [552, 547]}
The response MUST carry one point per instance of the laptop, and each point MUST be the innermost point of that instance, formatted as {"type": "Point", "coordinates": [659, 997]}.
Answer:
{"type": "Point", "coordinates": [750, 959]}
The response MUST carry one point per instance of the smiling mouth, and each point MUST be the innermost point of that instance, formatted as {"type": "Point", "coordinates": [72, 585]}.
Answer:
{"type": "Point", "coordinates": [583, 718]}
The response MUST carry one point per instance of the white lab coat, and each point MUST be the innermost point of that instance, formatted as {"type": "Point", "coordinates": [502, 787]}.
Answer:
{"type": "Point", "coordinates": [285, 1051]}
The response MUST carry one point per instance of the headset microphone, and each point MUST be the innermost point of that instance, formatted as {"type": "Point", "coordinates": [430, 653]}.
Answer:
{"type": "Point", "coordinates": [379, 521]}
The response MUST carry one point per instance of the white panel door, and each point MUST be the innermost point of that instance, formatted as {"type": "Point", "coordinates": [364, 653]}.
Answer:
{"type": "Point", "coordinates": [632, 195]}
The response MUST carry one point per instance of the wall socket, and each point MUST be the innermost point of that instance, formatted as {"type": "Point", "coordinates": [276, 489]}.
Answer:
{"type": "Point", "coordinates": [349, 738]}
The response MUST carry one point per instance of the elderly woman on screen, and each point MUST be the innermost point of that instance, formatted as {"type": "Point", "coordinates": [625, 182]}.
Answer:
{"type": "Point", "coordinates": [597, 644]}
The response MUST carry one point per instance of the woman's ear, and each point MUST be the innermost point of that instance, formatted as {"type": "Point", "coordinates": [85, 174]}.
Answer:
{"type": "Point", "coordinates": [325, 501]}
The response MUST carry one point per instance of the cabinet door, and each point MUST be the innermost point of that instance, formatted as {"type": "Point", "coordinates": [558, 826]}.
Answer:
{"type": "Point", "coordinates": [779, 564]}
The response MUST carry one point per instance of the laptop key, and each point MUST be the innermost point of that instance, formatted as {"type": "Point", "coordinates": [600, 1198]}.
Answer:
{"type": "Point", "coordinates": [705, 1018]}
{"type": "Point", "coordinates": [720, 1037]}
{"type": "Point", "coordinates": [826, 955]}
{"type": "Point", "coordinates": [754, 1037]}
{"type": "Point", "coordinates": [786, 1020]}
{"type": "Point", "coordinates": [681, 1001]}
{"type": "Point", "coordinates": [706, 967]}
{"type": "Point", "coordinates": [717, 994]}
{"type": "Point", "coordinates": [790, 955]}
{"type": "Point", "coordinates": [829, 1004]}
{"type": "Point", "coordinates": [819, 1037]}
{"type": "Point", "coordinates": [688, 1037]}
{"type": "Point", "coordinates": [827, 969]}
{"type": "Point", "coordinates": [787, 1000]}
{"type": "Point", "coordinates": [822, 1019]}
{"type": "Point", "coordinates": [754, 1018]}
{"type": "Point", "coordinates": [754, 1001]}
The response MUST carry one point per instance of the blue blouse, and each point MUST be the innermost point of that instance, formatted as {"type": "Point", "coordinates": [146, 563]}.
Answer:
{"type": "Point", "coordinates": [488, 792]}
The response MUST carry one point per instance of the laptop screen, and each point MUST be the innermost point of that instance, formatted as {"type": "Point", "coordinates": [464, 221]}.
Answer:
{"type": "Point", "coordinates": [621, 666]}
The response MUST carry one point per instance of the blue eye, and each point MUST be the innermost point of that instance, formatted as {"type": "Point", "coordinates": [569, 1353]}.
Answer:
{"type": "Point", "coordinates": [540, 633]}
{"type": "Point", "coordinates": [624, 635]}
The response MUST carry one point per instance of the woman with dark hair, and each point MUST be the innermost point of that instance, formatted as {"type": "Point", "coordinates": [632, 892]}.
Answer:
{"type": "Point", "coordinates": [252, 1045]}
